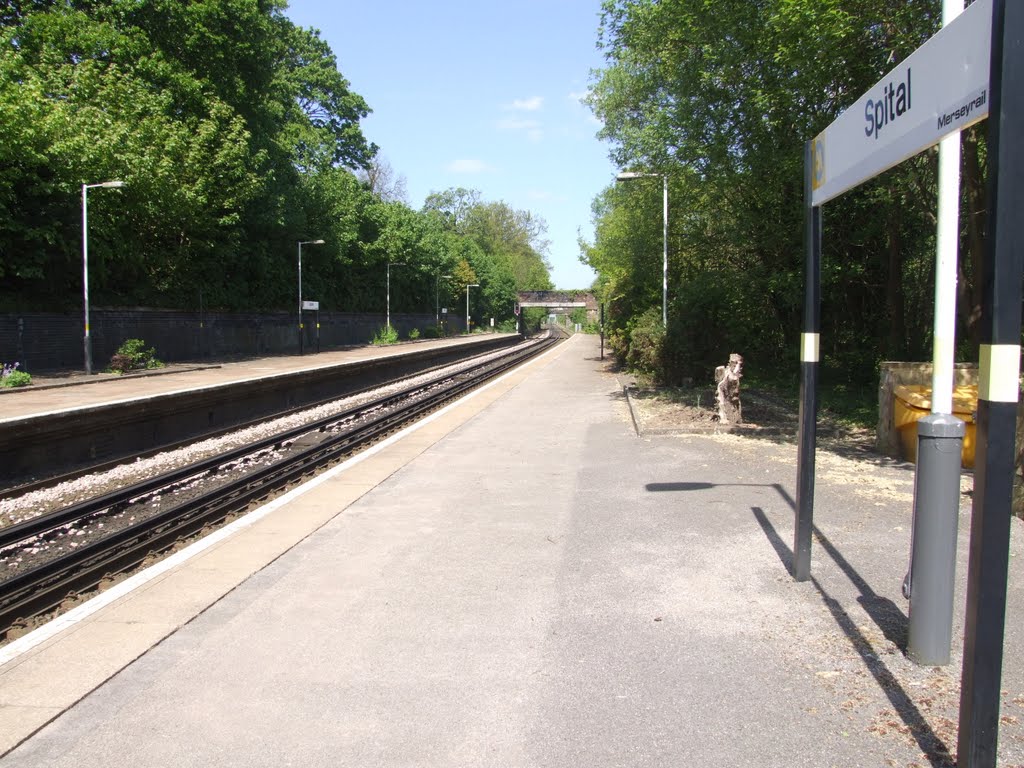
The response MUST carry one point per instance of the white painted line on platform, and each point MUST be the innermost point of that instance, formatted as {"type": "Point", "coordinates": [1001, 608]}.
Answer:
{"type": "Point", "coordinates": [38, 636]}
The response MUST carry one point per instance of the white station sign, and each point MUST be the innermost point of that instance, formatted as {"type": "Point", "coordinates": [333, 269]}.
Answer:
{"type": "Point", "coordinates": [311, 305]}
{"type": "Point", "coordinates": [940, 88]}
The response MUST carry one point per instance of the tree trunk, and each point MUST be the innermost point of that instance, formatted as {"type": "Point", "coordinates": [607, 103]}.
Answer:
{"type": "Point", "coordinates": [895, 300]}
{"type": "Point", "coordinates": [969, 285]}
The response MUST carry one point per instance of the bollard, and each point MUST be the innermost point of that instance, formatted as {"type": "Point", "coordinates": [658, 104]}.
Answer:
{"type": "Point", "coordinates": [933, 543]}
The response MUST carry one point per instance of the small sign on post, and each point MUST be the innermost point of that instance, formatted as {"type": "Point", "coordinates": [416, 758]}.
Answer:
{"type": "Point", "coordinates": [313, 305]}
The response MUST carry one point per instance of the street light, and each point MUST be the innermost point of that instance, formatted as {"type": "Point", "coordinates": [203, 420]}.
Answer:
{"type": "Point", "coordinates": [626, 176]}
{"type": "Point", "coordinates": [437, 298]}
{"type": "Point", "coordinates": [87, 341]}
{"type": "Point", "coordinates": [471, 285]}
{"type": "Point", "coordinates": [302, 243]}
{"type": "Point", "coordinates": [387, 324]}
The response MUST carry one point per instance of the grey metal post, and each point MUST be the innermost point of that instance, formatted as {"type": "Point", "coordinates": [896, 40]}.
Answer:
{"type": "Point", "coordinates": [940, 439]}
{"type": "Point", "coordinates": [1003, 266]}
{"type": "Point", "coordinates": [804, 524]}
{"type": "Point", "coordinates": [664, 252]}
{"type": "Point", "coordinates": [86, 340]}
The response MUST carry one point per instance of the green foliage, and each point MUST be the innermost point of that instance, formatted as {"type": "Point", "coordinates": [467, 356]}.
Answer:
{"type": "Point", "coordinates": [237, 138]}
{"type": "Point", "coordinates": [10, 376]}
{"type": "Point", "coordinates": [132, 355]}
{"type": "Point", "coordinates": [414, 334]}
{"type": "Point", "coordinates": [721, 103]}
{"type": "Point", "coordinates": [386, 335]}
{"type": "Point", "coordinates": [645, 350]}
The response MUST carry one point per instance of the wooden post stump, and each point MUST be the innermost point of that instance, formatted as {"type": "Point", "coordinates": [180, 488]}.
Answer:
{"type": "Point", "coordinates": [727, 379]}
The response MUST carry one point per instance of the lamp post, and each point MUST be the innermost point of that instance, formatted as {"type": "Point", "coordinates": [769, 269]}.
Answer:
{"type": "Point", "coordinates": [387, 323]}
{"type": "Point", "coordinates": [626, 176]}
{"type": "Point", "coordinates": [87, 341]}
{"type": "Point", "coordinates": [471, 285]}
{"type": "Point", "coordinates": [437, 298]}
{"type": "Point", "coordinates": [302, 243]}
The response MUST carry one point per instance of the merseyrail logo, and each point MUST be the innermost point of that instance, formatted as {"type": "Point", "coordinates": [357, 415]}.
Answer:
{"type": "Point", "coordinates": [818, 175]}
{"type": "Point", "coordinates": [894, 103]}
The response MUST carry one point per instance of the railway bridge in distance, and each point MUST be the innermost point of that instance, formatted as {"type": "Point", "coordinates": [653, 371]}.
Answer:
{"type": "Point", "coordinates": [561, 302]}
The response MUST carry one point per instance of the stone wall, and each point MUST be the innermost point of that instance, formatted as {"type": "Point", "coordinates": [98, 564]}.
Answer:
{"type": "Point", "coordinates": [43, 341]}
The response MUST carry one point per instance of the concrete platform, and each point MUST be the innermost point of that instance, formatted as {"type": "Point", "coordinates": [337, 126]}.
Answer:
{"type": "Point", "coordinates": [520, 581]}
{"type": "Point", "coordinates": [54, 429]}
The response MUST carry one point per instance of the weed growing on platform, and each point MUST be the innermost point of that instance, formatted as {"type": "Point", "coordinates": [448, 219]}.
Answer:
{"type": "Point", "coordinates": [132, 355]}
{"type": "Point", "coordinates": [12, 377]}
{"type": "Point", "coordinates": [386, 335]}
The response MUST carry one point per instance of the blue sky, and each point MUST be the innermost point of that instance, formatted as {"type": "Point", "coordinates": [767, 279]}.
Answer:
{"type": "Point", "coordinates": [480, 94]}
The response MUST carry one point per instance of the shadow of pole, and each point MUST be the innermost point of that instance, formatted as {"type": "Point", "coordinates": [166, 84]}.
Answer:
{"type": "Point", "coordinates": [929, 742]}
{"type": "Point", "coordinates": [886, 615]}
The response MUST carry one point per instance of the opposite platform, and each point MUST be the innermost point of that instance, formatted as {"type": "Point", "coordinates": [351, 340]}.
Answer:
{"type": "Point", "coordinates": [521, 581]}
{"type": "Point", "coordinates": [53, 431]}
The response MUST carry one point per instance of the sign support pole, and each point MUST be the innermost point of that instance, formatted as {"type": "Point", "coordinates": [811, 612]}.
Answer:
{"type": "Point", "coordinates": [997, 398]}
{"type": "Point", "coordinates": [804, 524]}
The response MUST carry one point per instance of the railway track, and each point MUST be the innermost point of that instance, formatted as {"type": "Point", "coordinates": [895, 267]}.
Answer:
{"type": "Point", "coordinates": [93, 540]}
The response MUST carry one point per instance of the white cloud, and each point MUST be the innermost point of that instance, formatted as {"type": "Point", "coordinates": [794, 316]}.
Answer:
{"type": "Point", "coordinates": [468, 165]}
{"type": "Point", "coordinates": [531, 104]}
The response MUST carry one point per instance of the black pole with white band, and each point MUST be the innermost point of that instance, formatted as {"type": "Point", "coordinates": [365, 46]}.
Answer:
{"type": "Point", "coordinates": [999, 363]}
{"type": "Point", "coordinates": [804, 525]}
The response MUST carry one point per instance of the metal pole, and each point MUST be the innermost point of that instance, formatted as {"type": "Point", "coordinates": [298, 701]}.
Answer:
{"type": "Point", "coordinates": [999, 365]}
{"type": "Point", "coordinates": [804, 523]}
{"type": "Point", "coordinates": [930, 582]}
{"type": "Point", "coordinates": [387, 322]}
{"type": "Point", "coordinates": [300, 299]}
{"type": "Point", "coordinates": [467, 309]}
{"type": "Point", "coordinates": [664, 262]}
{"type": "Point", "coordinates": [86, 341]}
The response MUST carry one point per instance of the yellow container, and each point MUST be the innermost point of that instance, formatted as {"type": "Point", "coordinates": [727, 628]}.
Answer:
{"type": "Point", "coordinates": [915, 401]}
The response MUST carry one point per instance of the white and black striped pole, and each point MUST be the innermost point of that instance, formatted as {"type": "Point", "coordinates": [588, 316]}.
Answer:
{"type": "Point", "coordinates": [997, 397]}
{"type": "Point", "coordinates": [804, 523]}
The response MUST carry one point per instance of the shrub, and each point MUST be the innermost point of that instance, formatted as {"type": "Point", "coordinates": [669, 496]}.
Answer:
{"type": "Point", "coordinates": [414, 334]}
{"type": "Point", "coordinates": [386, 335]}
{"type": "Point", "coordinates": [646, 344]}
{"type": "Point", "coordinates": [133, 355]}
{"type": "Point", "coordinates": [12, 377]}
{"type": "Point", "coordinates": [433, 332]}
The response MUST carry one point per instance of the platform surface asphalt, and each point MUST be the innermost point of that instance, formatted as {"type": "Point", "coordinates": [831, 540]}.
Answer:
{"type": "Point", "coordinates": [525, 582]}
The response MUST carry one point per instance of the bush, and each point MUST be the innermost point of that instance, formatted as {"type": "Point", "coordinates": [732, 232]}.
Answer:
{"type": "Point", "coordinates": [12, 377]}
{"type": "Point", "coordinates": [646, 344]}
{"type": "Point", "coordinates": [386, 335]}
{"type": "Point", "coordinates": [132, 355]}
{"type": "Point", "coordinates": [414, 334]}
{"type": "Point", "coordinates": [432, 332]}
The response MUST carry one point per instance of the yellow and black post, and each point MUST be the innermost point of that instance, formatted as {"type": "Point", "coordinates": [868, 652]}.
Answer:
{"type": "Point", "coordinates": [999, 365]}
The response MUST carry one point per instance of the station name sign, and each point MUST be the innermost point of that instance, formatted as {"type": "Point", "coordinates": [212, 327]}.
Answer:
{"type": "Point", "coordinates": [940, 88]}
